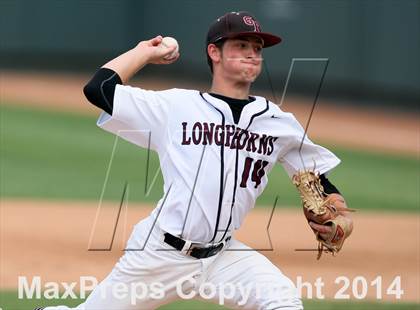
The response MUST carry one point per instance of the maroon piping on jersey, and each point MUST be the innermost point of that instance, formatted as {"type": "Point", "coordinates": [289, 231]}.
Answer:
{"type": "Point", "coordinates": [236, 171]}
{"type": "Point", "coordinates": [222, 171]}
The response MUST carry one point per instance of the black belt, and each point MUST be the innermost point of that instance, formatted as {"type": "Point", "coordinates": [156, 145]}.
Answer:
{"type": "Point", "coordinates": [194, 250]}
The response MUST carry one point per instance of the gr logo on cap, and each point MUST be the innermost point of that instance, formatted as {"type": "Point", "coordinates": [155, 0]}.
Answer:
{"type": "Point", "coordinates": [250, 21]}
{"type": "Point", "coordinates": [236, 24]}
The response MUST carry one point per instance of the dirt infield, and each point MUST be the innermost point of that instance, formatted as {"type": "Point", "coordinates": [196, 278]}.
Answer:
{"type": "Point", "coordinates": [340, 125]}
{"type": "Point", "coordinates": [50, 239]}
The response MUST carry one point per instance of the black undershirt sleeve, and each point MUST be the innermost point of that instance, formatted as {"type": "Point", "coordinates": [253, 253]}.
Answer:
{"type": "Point", "coordinates": [329, 188]}
{"type": "Point", "coordinates": [101, 88]}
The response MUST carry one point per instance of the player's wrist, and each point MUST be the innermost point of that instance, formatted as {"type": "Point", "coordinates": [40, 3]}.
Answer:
{"type": "Point", "coordinates": [139, 57]}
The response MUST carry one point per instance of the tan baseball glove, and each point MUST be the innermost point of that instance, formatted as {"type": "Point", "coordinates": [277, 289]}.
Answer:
{"type": "Point", "coordinates": [326, 214]}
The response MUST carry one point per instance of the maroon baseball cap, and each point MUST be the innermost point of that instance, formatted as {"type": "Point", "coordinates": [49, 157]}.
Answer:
{"type": "Point", "coordinates": [236, 24]}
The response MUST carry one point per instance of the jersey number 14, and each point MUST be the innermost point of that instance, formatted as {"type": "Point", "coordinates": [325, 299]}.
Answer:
{"type": "Point", "coordinates": [257, 173]}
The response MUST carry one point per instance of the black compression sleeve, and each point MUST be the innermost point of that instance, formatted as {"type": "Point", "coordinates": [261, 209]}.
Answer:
{"type": "Point", "coordinates": [101, 88]}
{"type": "Point", "coordinates": [329, 188]}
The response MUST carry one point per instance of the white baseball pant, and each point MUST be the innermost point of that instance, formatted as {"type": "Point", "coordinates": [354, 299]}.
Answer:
{"type": "Point", "coordinates": [237, 277]}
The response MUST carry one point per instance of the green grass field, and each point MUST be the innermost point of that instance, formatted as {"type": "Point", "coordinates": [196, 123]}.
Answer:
{"type": "Point", "coordinates": [9, 301]}
{"type": "Point", "coordinates": [56, 155]}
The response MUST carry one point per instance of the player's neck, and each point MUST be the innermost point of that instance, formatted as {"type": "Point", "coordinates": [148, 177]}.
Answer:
{"type": "Point", "coordinates": [230, 89]}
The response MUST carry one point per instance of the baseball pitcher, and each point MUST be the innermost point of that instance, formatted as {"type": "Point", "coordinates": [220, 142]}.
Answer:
{"type": "Point", "coordinates": [215, 149]}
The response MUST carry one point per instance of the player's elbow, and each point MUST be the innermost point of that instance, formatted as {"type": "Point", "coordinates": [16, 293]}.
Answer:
{"type": "Point", "coordinates": [92, 92]}
{"type": "Point", "coordinates": [101, 88]}
{"type": "Point", "coordinates": [95, 94]}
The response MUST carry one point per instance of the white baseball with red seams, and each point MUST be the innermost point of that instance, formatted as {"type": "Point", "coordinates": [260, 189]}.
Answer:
{"type": "Point", "coordinates": [169, 42]}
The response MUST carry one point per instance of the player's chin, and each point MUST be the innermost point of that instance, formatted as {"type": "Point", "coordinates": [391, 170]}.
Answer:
{"type": "Point", "coordinates": [252, 73]}
{"type": "Point", "coordinates": [249, 76]}
{"type": "Point", "coordinates": [247, 79]}
{"type": "Point", "coordinates": [250, 79]}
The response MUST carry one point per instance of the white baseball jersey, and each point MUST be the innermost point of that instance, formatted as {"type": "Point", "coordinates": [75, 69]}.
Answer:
{"type": "Point", "coordinates": [213, 169]}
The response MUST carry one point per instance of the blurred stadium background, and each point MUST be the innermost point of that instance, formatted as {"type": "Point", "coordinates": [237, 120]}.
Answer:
{"type": "Point", "coordinates": [373, 46]}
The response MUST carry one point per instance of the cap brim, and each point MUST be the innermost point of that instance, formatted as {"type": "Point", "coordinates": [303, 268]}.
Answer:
{"type": "Point", "coordinates": [268, 38]}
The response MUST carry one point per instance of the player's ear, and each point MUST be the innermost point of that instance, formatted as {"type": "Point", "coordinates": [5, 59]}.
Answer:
{"type": "Point", "coordinates": [214, 52]}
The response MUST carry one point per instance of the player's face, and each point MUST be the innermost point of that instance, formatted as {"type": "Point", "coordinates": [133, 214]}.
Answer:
{"type": "Point", "coordinates": [242, 58]}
